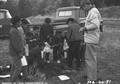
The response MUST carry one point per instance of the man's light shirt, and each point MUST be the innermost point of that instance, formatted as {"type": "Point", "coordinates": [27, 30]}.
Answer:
{"type": "Point", "coordinates": [92, 22]}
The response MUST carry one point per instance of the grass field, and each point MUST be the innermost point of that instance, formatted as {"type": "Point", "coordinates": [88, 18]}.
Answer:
{"type": "Point", "coordinates": [110, 12]}
{"type": "Point", "coordinates": [108, 58]}
{"type": "Point", "coordinates": [108, 53]}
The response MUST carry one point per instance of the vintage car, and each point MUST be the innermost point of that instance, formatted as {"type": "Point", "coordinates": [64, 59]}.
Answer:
{"type": "Point", "coordinates": [5, 71]}
{"type": "Point", "coordinates": [4, 22]}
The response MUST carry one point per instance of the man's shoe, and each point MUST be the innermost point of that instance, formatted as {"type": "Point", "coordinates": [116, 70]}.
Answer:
{"type": "Point", "coordinates": [25, 79]}
{"type": "Point", "coordinates": [58, 61]}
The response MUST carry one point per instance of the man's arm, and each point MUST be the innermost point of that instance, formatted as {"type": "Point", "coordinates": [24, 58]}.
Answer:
{"type": "Point", "coordinates": [41, 35]}
{"type": "Point", "coordinates": [94, 22]}
{"type": "Point", "coordinates": [69, 33]}
{"type": "Point", "coordinates": [51, 31]}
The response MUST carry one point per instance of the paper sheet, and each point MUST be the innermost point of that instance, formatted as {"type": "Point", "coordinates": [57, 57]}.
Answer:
{"type": "Point", "coordinates": [5, 76]}
{"type": "Point", "coordinates": [24, 61]}
{"type": "Point", "coordinates": [63, 77]}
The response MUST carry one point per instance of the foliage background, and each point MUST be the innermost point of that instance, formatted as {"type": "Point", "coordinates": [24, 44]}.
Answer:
{"type": "Point", "coordinates": [26, 8]}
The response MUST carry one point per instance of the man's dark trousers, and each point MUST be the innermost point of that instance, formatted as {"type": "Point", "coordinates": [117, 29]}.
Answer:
{"type": "Point", "coordinates": [74, 52]}
{"type": "Point", "coordinates": [16, 69]}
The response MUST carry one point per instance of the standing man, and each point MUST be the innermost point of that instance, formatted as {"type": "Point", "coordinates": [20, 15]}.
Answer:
{"type": "Point", "coordinates": [46, 34]}
{"type": "Point", "coordinates": [46, 31]}
{"type": "Point", "coordinates": [16, 47]}
{"type": "Point", "coordinates": [74, 38]}
{"type": "Point", "coordinates": [91, 38]}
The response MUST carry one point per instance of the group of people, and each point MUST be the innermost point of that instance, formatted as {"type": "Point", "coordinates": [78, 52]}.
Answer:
{"type": "Point", "coordinates": [77, 37]}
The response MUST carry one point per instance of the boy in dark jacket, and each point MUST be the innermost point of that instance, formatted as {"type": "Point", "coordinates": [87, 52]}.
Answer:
{"type": "Point", "coordinates": [16, 47]}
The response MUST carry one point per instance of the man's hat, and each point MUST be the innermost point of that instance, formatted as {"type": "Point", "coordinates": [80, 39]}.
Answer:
{"type": "Point", "coordinates": [70, 19]}
{"type": "Point", "coordinates": [48, 20]}
{"type": "Point", "coordinates": [83, 2]}
{"type": "Point", "coordinates": [25, 21]}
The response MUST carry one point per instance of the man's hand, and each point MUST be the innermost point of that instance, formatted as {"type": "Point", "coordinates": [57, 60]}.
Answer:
{"type": "Point", "coordinates": [82, 29]}
{"type": "Point", "coordinates": [20, 55]}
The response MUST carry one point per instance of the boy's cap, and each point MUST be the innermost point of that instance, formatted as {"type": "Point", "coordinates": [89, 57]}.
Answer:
{"type": "Point", "coordinates": [15, 19]}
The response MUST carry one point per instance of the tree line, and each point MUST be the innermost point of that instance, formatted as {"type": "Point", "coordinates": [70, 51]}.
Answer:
{"type": "Point", "coordinates": [26, 8]}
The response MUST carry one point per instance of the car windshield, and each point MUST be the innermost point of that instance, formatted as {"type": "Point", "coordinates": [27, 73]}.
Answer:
{"type": "Point", "coordinates": [65, 13]}
{"type": "Point", "coordinates": [4, 14]}
{"type": "Point", "coordinates": [8, 15]}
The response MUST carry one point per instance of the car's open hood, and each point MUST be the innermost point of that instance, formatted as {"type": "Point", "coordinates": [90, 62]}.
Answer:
{"type": "Point", "coordinates": [61, 27]}
{"type": "Point", "coordinates": [60, 19]}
